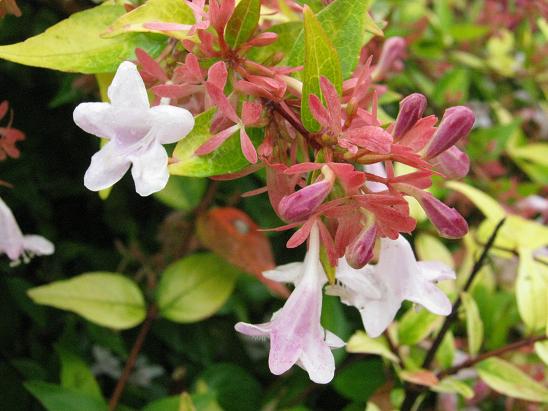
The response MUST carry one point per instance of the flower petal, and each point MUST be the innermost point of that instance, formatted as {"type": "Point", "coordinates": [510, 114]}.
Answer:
{"type": "Point", "coordinates": [333, 340]}
{"type": "Point", "coordinates": [95, 118]}
{"type": "Point", "coordinates": [170, 124]}
{"type": "Point", "coordinates": [107, 167]}
{"type": "Point", "coordinates": [378, 314]}
{"type": "Point", "coordinates": [253, 330]}
{"type": "Point", "coordinates": [38, 245]}
{"type": "Point", "coordinates": [247, 147]}
{"type": "Point", "coordinates": [430, 297]}
{"type": "Point", "coordinates": [149, 171]}
{"type": "Point", "coordinates": [11, 238]}
{"type": "Point", "coordinates": [436, 271]}
{"type": "Point", "coordinates": [318, 361]}
{"type": "Point", "coordinates": [127, 88]}
{"type": "Point", "coordinates": [287, 273]}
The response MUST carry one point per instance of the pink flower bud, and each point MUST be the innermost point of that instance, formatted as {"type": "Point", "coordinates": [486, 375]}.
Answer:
{"type": "Point", "coordinates": [360, 251]}
{"type": "Point", "coordinates": [452, 163]}
{"type": "Point", "coordinates": [448, 221]}
{"type": "Point", "coordinates": [263, 39]}
{"type": "Point", "coordinates": [456, 123]}
{"type": "Point", "coordinates": [392, 51]}
{"type": "Point", "coordinates": [301, 204]}
{"type": "Point", "coordinates": [411, 109]}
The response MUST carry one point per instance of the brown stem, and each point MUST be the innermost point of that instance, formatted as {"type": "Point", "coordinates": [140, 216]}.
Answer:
{"type": "Point", "coordinates": [393, 347]}
{"type": "Point", "coordinates": [412, 392]}
{"type": "Point", "coordinates": [130, 363]}
{"type": "Point", "coordinates": [495, 353]}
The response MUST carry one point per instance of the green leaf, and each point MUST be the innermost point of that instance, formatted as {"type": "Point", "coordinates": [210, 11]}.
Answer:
{"type": "Point", "coordinates": [517, 232]}
{"type": "Point", "coordinates": [487, 205]}
{"type": "Point", "coordinates": [234, 388]}
{"type": "Point", "coordinates": [75, 45]}
{"type": "Point", "coordinates": [226, 159]}
{"type": "Point", "coordinates": [415, 326]}
{"type": "Point", "coordinates": [182, 193]}
{"type": "Point", "coordinates": [474, 326]}
{"type": "Point", "coordinates": [451, 88]}
{"type": "Point", "coordinates": [56, 398]}
{"type": "Point", "coordinates": [541, 348]}
{"type": "Point", "coordinates": [163, 404]}
{"type": "Point", "coordinates": [359, 380]}
{"type": "Point", "coordinates": [165, 11]}
{"type": "Point", "coordinates": [362, 344]}
{"type": "Point", "coordinates": [531, 291]}
{"type": "Point", "coordinates": [467, 31]}
{"type": "Point", "coordinates": [287, 33]}
{"type": "Point", "coordinates": [446, 352]}
{"type": "Point", "coordinates": [107, 299]}
{"type": "Point", "coordinates": [509, 380]}
{"type": "Point", "coordinates": [195, 287]}
{"type": "Point", "coordinates": [320, 59]}
{"type": "Point", "coordinates": [345, 22]}
{"type": "Point", "coordinates": [243, 22]}
{"type": "Point", "coordinates": [76, 375]}
{"type": "Point", "coordinates": [454, 386]}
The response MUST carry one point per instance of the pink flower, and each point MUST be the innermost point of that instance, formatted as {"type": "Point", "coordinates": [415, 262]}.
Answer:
{"type": "Point", "coordinates": [456, 123]}
{"type": "Point", "coordinates": [16, 245]}
{"type": "Point", "coordinates": [378, 291]}
{"type": "Point", "coordinates": [296, 335]}
{"type": "Point", "coordinates": [251, 114]}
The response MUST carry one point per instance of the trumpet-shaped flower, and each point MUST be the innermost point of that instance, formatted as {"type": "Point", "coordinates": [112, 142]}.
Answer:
{"type": "Point", "coordinates": [136, 132]}
{"type": "Point", "coordinates": [16, 245]}
{"type": "Point", "coordinates": [296, 335]}
{"type": "Point", "coordinates": [378, 291]}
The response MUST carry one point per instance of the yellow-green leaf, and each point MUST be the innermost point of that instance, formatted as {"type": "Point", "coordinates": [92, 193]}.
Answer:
{"type": "Point", "coordinates": [415, 326]}
{"type": "Point", "coordinates": [509, 380]}
{"type": "Point", "coordinates": [452, 385]}
{"type": "Point", "coordinates": [320, 60]}
{"type": "Point", "coordinates": [474, 325]}
{"type": "Point", "coordinates": [165, 11]}
{"type": "Point", "coordinates": [195, 287]}
{"type": "Point", "coordinates": [430, 248]}
{"type": "Point", "coordinates": [487, 205]}
{"type": "Point", "coordinates": [362, 344]}
{"type": "Point", "coordinates": [226, 159]}
{"type": "Point", "coordinates": [541, 348]}
{"type": "Point", "coordinates": [107, 299]}
{"type": "Point", "coordinates": [532, 291]}
{"type": "Point", "coordinates": [346, 23]}
{"type": "Point", "coordinates": [243, 22]}
{"type": "Point", "coordinates": [75, 44]}
{"type": "Point", "coordinates": [76, 375]}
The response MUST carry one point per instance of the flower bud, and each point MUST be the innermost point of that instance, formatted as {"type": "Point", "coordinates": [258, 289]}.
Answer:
{"type": "Point", "coordinates": [448, 221]}
{"type": "Point", "coordinates": [301, 204]}
{"type": "Point", "coordinates": [392, 50]}
{"type": "Point", "coordinates": [360, 251]}
{"type": "Point", "coordinates": [263, 39]}
{"type": "Point", "coordinates": [452, 163]}
{"type": "Point", "coordinates": [411, 109]}
{"type": "Point", "coordinates": [456, 123]}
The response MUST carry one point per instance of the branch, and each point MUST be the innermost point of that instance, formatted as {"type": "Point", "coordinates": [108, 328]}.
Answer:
{"type": "Point", "coordinates": [130, 363]}
{"type": "Point", "coordinates": [495, 353]}
{"type": "Point", "coordinates": [454, 312]}
{"type": "Point", "coordinates": [411, 391]}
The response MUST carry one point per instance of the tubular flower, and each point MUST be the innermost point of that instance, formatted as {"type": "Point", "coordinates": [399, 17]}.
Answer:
{"type": "Point", "coordinates": [296, 335]}
{"type": "Point", "coordinates": [136, 132]}
{"type": "Point", "coordinates": [378, 291]}
{"type": "Point", "coordinates": [16, 245]}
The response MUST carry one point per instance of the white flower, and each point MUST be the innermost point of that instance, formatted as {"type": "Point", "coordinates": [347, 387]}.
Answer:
{"type": "Point", "coordinates": [378, 291]}
{"type": "Point", "coordinates": [16, 245]}
{"type": "Point", "coordinates": [296, 335]}
{"type": "Point", "coordinates": [136, 132]}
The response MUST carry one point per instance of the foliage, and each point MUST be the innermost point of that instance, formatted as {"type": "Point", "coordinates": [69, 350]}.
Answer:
{"type": "Point", "coordinates": [282, 94]}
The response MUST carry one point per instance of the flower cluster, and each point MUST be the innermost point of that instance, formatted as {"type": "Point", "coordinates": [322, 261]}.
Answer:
{"type": "Point", "coordinates": [337, 183]}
